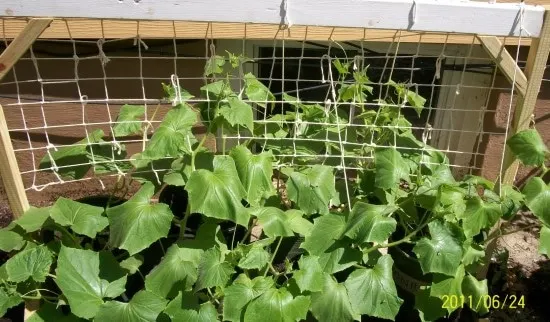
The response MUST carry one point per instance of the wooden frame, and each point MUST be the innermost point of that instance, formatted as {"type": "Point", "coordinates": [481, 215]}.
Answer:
{"type": "Point", "coordinates": [496, 19]}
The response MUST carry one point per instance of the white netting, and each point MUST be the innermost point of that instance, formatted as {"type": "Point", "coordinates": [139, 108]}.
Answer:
{"type": "Point", "coordinates": [66, 88]}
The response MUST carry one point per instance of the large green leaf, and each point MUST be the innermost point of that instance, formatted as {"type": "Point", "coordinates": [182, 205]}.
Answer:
{"type": "Point", "coordinates": [529, 147]}
{"type": "Point", "coordinates": [177, 271]}
{"type": "Point", "coordinates": [370, 223]}
{"type": "Point", "coordinates": [332, 303]}
{"type": "Point", "coordinates": [537, 198]}
{"type": "Point", "coordinates": [277, 305]}
{"type": "Point", "coordinates": [237, 112]}
{"type": "Point", "coordinates": [430, 308]}
{"type": "Point", "coordinates": [442, 252]}
{"type": "Point", "coordinates": [129, 120]}
{"type": "Point", "coordinates": [544, 241]}
{"type": "Point", "coordinates": [326, 229]}
{"type": "Point", "coordinates": [143, 307]}
{"type": "Point", "coordinates": [82, 218]}
{"type": "Point", "coordinates": [241, 292]}
{"type": "Point", "coordinates": [312, 189]}
{"type": "Point", "coordinates": [391, 168]}
{"type": "Point", "coordinates": [173, 138]}
{"type": "Point", "coordinates": [339, 256]}
{"type": "Point", "coordinates": [71, 161]}
{"type": "Point", "coordinates": [479, 215]}
{"type": "Point", "coordinates": [205, 313]}
{"type": "Point", "coordinates": [274, 221]}
{"type": "Point", "coordinates": [254, 256]}
{"type": "Point", "coordinates": [218, 194]}
{"type": "Point", "coordinates": [477, 293]}
{"type": "Point", "coordinates": [372, 290]}
{"type": "Point", "coordinates": [255, 172]}
{"type": "Point", "coordinates": [256, 91]}
{"type": "Point", "coordinates": [31, 263]}
{"type": "Point", "coordinates": [214, 65]}
{"type": "Point", "coordinates": [8, 301]}
{"type": "Point", "coordinates": [33, 219]}
{"type": "Point", "coordinates": [138, 223]}
{"type": "Point", "coordinates": [298, 223]}
{"type": "Point", "coordinates": [10, 240]}
{"type": "Point", "coordinates": [448, 286]}
{"type": "Point", "coordinates": [213, 269]}
{"type": "Point", "coordinates": [310, 275]}
{"type": "Point", "coordinates": [86, 278]}
{"type": "Point", "coordinates": [49, 312]}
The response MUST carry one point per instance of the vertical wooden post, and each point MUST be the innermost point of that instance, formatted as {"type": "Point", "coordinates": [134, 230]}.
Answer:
{"type": "Point", "coordinates": [9, 170]}
{"type": "Point", "coordinates": [534, 71]}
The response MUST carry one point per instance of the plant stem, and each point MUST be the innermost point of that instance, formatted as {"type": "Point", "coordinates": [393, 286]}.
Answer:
{"type": "Point", "coordinates": [233, 239]}
{"type": "Point", "coordinates": [194, 153]}
{"type": "Point", "coordinates": [273, 256]}
{"type": "Point", "coordinates": [64, 231]}
{"type": "Point", "coordinates": [249, 231]}
{"type": "Point", "coordinates": [398, 242]}
{"type": "Point", "coordinates": [38, 290]}
{"type": "Point", "coordinates": [183, 222]}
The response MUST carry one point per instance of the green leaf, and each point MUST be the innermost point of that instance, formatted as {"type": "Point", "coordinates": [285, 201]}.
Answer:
{"type": "Point", "coordinates": [274, 221]}
{"type": "Point", "coordinates": [137, 223]}
{"type": "Point", "coordinates": [31, 263]}
{"type": "Point", "coordinates": [430, 308]}
{"type": "Point", "coordinates": [326, 229]}
{"type": "Point", "coordinates": [33, 219]}
{"type": "Point", "coordinates": [537, 198]}
{"type": "Point", "coordinates": [183, 301]}
{"type": "Point", "coordinates": [529, 147]}
{"type": "Point", "coordinates": [177, 271]}
{"type": "Point", "coordinates": [442, 253]}
{"type": "Point", "coordinates": [479, 215]}
{"type": "Point", "coordinates": [473, 254]}
{"type": "Point", "coordinates": [254, 257]}
{"type": "Point", "coordinates": [213, 270]}
{"type": "Point", "coordinates": [277, 305]}
{"type": "Point", "coordinates": [206, 313]}
{"type": "Point", "coordinates": [171, 93]}
{"type": "Point", "coordinates": [477, 292]}
{"type": "Point", "coordinates": [218, 194]}
{"type": "Point", "coordinates": [85, 278]}
{"type": "Point", "coordinates": [544, 240]}
{"type": "Point", "coordinates": [8, 301]}
{"type": "Point", "coordinates": [255, 172]}
{"type": "Point", "coordinates": [173, 138]}
{"type": "Point", "coordinates": [511, 201]}
{"type": "Point", "coordinates": [332, 303]}
{"type": "Point", "coordinates": [143, 307]}
{"type": "Point", "coordinates": [256, 91]}
{"type": "Point", "coordinates": [416, 101]}
{"type": "Point", "coordinates": [298, 223]}
{"type": "Point", "coordinates": [71, 161]}
{"type": "Point", "coordinates": [370, 223]}
{"type": "Point", "coordinates": [214, 65]}
{"type": "Point", "coordinates": [237, 112]}
{"type": "Point", "coordinates": [310, 275]}
{"type": "Point", "coordinates": [312, 189]}
{"type": "Point", "coordinates": [391, 168]}
{"type": "Point", "coordinates": [132, 264]}
{"type": "Point", "coordinates": [10, 240]}
{"type": "Point", "coordinates": [129, 120]}
{"type": "Point", "coordinates": [51, 313]}
{"type": "Point", "coordinates": [448, 286]}
{"type": "Point", "coordinates": [372, 290]}
{"type": "Point", "coordinates": [339, 256]}
{"type": "Point", "coordinates": [82, 218]}
{"type": "Point", "coordinates": [241, 292]}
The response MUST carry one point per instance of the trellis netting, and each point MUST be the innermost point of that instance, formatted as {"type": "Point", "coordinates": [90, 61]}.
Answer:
{"type": "Point", "coordinates": [83, 102]}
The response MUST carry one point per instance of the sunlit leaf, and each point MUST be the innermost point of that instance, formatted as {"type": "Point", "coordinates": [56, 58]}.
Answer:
{"type": "Point", "coordinates": [370, 223]}
{"type": "Point", "coordinates": [312, 189]}
{"type": "Point", "coordinates": [391, 168]}
{"type": "Point", "coordinates": [82, 218]}
{"type": "Point", "coordinates": [33, 219]}
{"type": "Point", "coordinates": [332, 303]}
{"type": "Point", "coordinates": [241, 292]}
{"type": "Point", "coordinates": [537, 198]}
{"type": "Point", "coordinates": [477, 293]}
{"type": "Point", "coordinates": [143, 307]}
{"type": "Point", "coordinates": [33, 263]}
{"type": "Point", "coordinates": [479, 215]}
{"type": "Point", "coordinates": [326, 229]}
{"type": "Point", "coordinates": [544, 241]}
{"type": "Point", "coordinates": [529, 147]}
{"type": "Point", "coordinates": [256, 91]}
{"type": "Point", "coordinates": [129, 120]}
{"type": "Point", "coordinates": [279, 305]}
{"type": "Point", "coordinates": [213, 270]}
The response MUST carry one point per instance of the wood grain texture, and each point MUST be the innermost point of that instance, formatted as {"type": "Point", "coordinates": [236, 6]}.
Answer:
{"type": "Point", "coordinates": [497, 19]}
{"type": "Point", "coordinates": [534, 71]}
{"type": "Point", "coordinates": [505, 62]}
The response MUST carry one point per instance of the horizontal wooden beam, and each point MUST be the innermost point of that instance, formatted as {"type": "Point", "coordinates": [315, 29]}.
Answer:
{"type": "Point", "coordinates": [474, 17]}
{"type": "Point", "coordinates": [505, 62]}
{"type": "Point", "coordinates": [121, 29]}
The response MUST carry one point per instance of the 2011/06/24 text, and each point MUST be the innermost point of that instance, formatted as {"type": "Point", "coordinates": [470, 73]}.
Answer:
{"type": "Point", "coordinates": [488, 301]}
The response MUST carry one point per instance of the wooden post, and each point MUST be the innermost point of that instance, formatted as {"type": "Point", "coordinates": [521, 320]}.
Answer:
{"type": "Point", "coordinates": [534, 71]}
{"type": "Point", "coordinates": [9, 170]}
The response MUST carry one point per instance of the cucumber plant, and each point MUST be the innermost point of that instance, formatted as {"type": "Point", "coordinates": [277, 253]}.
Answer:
{"type": "Point", "coordinates": [136, 261]}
